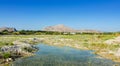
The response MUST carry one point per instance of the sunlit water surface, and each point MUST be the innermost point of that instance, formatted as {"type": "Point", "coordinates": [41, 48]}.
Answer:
{"type": "Point", "coordinates": [63, 56]}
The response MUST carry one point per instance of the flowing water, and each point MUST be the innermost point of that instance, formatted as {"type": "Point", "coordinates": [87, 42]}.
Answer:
{"type": "Point", "coordinates": [63, 56]}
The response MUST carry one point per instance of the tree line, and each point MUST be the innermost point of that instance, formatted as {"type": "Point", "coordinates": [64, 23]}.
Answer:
{"type": "Point", "coordinates": [39, 32]}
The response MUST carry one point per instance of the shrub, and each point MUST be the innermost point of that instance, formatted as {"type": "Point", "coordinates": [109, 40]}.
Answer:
{"type": "Point", "coordinates": [6, 55]}
{"type": "Point", "coordinates": [29, 49]}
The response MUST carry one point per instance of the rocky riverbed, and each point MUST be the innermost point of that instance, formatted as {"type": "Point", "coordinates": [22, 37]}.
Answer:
{"type": "Point", "coordinates": [20, 48]}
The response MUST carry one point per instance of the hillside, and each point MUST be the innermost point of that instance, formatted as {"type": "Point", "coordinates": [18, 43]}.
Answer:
{"type": "Point", "coordinates": [7, 29]}
{"type": "Point", "coordinates": [59, 28]}
{"type": "Point", "coordinates": [63, 28]}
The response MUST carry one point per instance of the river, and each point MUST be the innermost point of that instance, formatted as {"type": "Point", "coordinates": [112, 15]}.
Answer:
{"type": "Point", "coordinates": [63, 56]}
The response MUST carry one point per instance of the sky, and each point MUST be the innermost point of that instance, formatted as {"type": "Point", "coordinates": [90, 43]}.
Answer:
{"type": "Point", "coordinates": [103, 15]}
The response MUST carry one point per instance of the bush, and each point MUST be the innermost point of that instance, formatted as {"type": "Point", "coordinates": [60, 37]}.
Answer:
{"type": "Point", "coordinates": [6, 55]}
{"type": "Point", "coordinates": [29, 49]}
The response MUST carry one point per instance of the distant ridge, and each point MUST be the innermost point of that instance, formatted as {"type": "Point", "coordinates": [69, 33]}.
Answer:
{"type": "Point", "coordinates": [56, 28]}
{"type": "Point", "coordinates": [63, 28]}
{"type": "Point", "coordinates": [59, 28]}
{"type": "Point", "coordinates": [88, 31]}
{"type": "Point", "coordinates": [7, 29]}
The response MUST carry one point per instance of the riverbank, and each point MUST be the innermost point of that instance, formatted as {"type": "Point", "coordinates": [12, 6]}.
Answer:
{"type": "Point", "coordinates": [86, 42]}
{"type": "Point", "coordinates": [89, 42]}
{"type": "Point", "coordinates": [63, 56]}
{"type": "Point", "coordinates": [20, 48]}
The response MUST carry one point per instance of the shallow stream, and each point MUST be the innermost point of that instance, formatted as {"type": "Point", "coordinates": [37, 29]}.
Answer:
{"type": "Point", "coordinates": [63, 56]}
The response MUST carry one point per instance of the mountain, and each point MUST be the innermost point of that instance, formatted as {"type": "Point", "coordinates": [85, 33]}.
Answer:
{"type": "Point", "coordinates": [63, 28]}
{"type": "Point", "coordinates": [59, 28]}
{"type": "Point", "coordinates": [7, 29]}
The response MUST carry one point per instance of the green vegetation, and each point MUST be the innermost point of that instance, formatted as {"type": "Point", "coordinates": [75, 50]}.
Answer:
{"type": "Point", "coordinates": [40, 32]}
{"type": "Point", "coordinates": [29, 49]}
{"type": "Point", "coordinates": [82, 41]}
{"type": "Point", "coordinates": [30, 32]}
{"type": "Point", "coordinates": [6, 55]}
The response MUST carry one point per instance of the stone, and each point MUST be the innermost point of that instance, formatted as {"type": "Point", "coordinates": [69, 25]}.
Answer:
{"type": "Point", "coordinates": [15, 49]}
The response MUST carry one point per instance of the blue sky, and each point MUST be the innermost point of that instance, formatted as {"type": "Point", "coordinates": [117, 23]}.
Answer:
{"type": "Point", "coordinates": [101, 15]}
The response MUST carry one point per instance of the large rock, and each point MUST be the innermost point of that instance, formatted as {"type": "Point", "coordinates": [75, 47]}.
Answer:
{"type": "Point", "coordinates": [14, 49]}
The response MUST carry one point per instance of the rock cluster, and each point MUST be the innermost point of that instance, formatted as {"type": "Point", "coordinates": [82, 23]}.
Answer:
{"type": "Point", "coordinates": [15, 49]}
{"type": "Point", "coordinates": [20, 47]}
